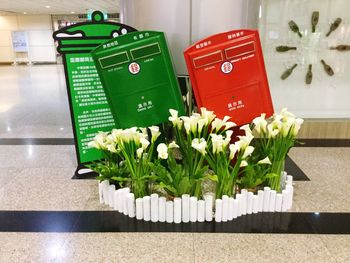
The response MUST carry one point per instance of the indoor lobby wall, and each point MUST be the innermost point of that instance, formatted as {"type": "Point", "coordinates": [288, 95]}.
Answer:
{"type": "Point", "coordinates": [39, 31]}
{"type": "Point", "coordinates": [324, 103]}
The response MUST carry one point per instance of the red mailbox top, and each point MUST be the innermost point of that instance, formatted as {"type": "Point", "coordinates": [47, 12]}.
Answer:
{"type": "Point", "coordinates": [228, 75]}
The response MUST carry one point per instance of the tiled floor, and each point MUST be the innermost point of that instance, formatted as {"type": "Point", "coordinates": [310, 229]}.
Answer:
{"type": "Point", "coordinates": [33, 104]}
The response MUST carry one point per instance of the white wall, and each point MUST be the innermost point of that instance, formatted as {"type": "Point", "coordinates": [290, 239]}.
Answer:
{"type": "Point", "coordinates": [187, 21]}
{"type": "Point", "coordinates": [38, 27]}
{"type": "Point", "coordinates": [171, 17]}
{"type": "Point", "coordinates": [212, 16]}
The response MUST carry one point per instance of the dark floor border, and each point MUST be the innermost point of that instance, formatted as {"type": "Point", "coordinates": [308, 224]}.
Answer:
{"type": "Point", "coordinates": [293, 169]}
{"type": "Point", "coordinates": [323, 143]}
{"type": "Point", "coordinates": [112, 221]}
{"type": "Point", "coordinates": [70, 141]}
{"type": "Point", "coordinates": [36, 141]}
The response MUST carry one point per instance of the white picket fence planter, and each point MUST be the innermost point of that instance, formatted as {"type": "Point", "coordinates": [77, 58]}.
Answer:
{"type": "Point", "coordinates": [188, 209]}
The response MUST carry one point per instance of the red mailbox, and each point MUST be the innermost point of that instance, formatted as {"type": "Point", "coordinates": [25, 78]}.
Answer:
{"type": "Point", "coordinates": [228, 75]}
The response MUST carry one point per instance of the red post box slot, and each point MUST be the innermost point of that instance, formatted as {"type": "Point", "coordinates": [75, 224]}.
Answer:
{"type": "Point", "coordinates": [240, 50]}
{"type": "Point", "coordinates": [208, 59]}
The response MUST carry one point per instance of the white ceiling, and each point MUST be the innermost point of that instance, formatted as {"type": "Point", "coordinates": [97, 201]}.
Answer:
{"type": "Point", "coordinates": [57, 6]}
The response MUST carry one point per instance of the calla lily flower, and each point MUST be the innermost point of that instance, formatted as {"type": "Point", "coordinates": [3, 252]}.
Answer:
{"type": "Point", "coordinates": [155, 133]}
{"type": "Point", "coordinates": [162, 150]}
{"type": "Point", "coordinates": [173, 145]}
{"type": "Point", "coordinates": [139, 152]}
{"type": "Point", "coordinates": [266, 160]}
{"type": "Point", "coordinates": [199, 145]}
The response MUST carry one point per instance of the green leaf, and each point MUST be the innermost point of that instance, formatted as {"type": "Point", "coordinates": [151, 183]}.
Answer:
{"type": "Point", "coordinates": [121, 179]}
{"type": "Point", "coordinates": [271, 175]}
{"type": "Point", "coordinates": [212, 177]}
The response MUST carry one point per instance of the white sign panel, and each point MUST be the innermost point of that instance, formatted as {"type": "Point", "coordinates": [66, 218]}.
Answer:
{"type": "Point", "coordinates": [19, 41]}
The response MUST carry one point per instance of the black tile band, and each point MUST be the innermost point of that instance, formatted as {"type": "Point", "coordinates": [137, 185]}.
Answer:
{"type": "Point", "coordinates": [70, 141]}
{"type": "Point", "coordinates": [324, 143]}
{"type": "Point", "coordinates": [36, 141]}
{"type": "Point", "coordinates": [293, 169]}
{"type": "Point", "coordinates": [111, 221]}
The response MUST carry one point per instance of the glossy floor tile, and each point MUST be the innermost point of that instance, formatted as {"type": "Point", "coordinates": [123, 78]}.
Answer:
{"type": "Point", "coordinates": [260, 248]}
{"type": "Point", "coordinates": [172, 247]}
{"type": "Point", "coordinates": [30, 247]}
{"type": "Point", "coordinates": [38, 156]}
{"type": "Point", "coordinates": [329, 173]}
{"type": "Point", "coordinates": [131, 247]}
{"type": "Point", "coordinates": [33, 102]}
{"type": "Point", "coordinates": [46, 189]}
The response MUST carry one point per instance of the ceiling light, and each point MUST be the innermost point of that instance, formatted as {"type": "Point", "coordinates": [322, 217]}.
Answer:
{"type": "Point", "coordinates": [72, 12]}
{"type": "Point", "coordinates": [47, 6]}
{"type": "Point", "coordinates": [24, 13]}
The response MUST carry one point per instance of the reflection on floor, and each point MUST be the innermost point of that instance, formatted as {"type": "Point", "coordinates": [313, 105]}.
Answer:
{"type": "Point", "coordinates": [33, 104]}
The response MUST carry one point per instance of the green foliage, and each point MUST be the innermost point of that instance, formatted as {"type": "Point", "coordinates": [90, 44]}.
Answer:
{"type": "Point", "coordinates": [176, 180]}
{"type": "Point", "coordinates": [254, 175]}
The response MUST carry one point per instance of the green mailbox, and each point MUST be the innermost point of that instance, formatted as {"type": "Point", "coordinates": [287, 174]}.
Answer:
{"type": "Point", "coordinates": [138, 77]}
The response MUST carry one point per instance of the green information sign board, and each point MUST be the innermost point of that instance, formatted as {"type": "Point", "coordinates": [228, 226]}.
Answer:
{"type": "Point", "coordinates": [90, 111]}
{"type": "Point", "coordinates": [139, 79]}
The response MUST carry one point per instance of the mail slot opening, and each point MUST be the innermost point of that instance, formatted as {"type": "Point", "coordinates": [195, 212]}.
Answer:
{"type": "Point", "coordinates": [208, 59]}
{"type": "Point", "coordinates": [240, 50]}
{"type": "Point", "coordinates": [145, 51]}
{"type": "Point", "coordinates": [114, 60]}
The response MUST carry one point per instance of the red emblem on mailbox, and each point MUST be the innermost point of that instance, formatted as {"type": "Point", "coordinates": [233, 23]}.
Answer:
{"type": "Point", "coordinates": [228, 75]}
{"type": "Point", "coordinates": [134, 68]}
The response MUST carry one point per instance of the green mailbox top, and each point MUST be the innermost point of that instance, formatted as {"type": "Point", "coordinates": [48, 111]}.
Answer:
{"type": "Point", "coordinates": [83, 37]}
{"type": "Point", "coordinates": [137, 74]}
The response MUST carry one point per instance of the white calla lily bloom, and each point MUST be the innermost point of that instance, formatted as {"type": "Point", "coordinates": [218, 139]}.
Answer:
{"type": "Point", "coordinates": [260, 124]}
{"type": "Point", "coordinates": [201, 123]}
{"type": "Point", "coordinates": [187, 123]}
{"type": "Point", "coordinates": [244, 163]}
{"type": "Point", "coordinates": [217, 124]}
{"type": "Point", "coordinates": [139, 152]}
{"type": "Point", "coordinates": [209, 116]}
{"type": "Point", "coordinates": [248, 151]}
{"type": "Point", "coordinates": [266, 160]}
{"type": "Point", "coordinates": [93, 144]}
{"type": "Point", "coordinates": [99, 141]}
{"type": "Point", "coordinates": [272, 133]}
{"type": "Point", "coordinates": [155, 133]}
{"type": "Point", "coordinates": [286, 126]}
{"type": "Point", "coordinates": [176, 121]}
{"type": "Point", "coordinates": [246, 128]}
{"type": "Point", "coordinates": [173, 145]}
{"type": "Point", "coordinates": [218, 143]}
{"type": "Point", "coordinates": [144, 142]}
{"type": "Point", "coordinates": [229, 125]}
{"type": "Point", "coordinates": [199, 145]}
{"type": "Point", "coordinates": [111, 147]}
{"type": "Point", "coordinates": [234, 148]}
{"type": "Point", "coordinates": [285, 113]}
{"type": "Point", "coordinates": [297, 126]}
{"type": "Point", "coordinates": [244, 141]}
{"type": "Point", "coordinates": [162, 150]}
{"type": "Point", "coordinates": [227, 139]}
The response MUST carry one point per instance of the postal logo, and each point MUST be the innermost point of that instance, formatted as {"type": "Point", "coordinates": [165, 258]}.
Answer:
{"type": "Point", "coordinates": [226, 67]}
{"type": "Point", "coordinates": [134, 68]}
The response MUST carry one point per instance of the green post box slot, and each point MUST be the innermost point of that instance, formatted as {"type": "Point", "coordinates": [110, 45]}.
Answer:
{"type": "Point", "coordinates": [138, 77]}
{"type": "Point", "coordinates": [89, 108]}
